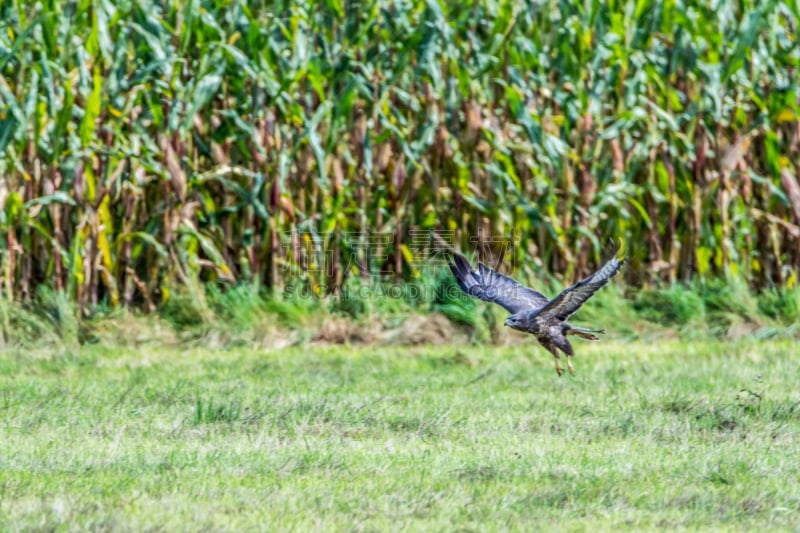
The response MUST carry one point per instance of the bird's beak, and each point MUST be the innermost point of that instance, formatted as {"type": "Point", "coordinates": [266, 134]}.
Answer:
{"type": "Point", "coordinates": [506, 322]}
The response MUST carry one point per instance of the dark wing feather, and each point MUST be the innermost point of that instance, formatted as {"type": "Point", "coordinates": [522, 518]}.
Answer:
{"type": "Point", "coordinates": [491, 286]}
{"type": "Point", "coordinates": [565, 304]}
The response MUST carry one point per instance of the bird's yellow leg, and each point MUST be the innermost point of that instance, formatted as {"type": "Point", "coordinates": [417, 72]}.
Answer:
{"type": "Point", "coordinates": [552, 349]}
{"type": "Point", "coordinates": [559, 370]}
{"type": "Point", "coordinates": [569, 365]}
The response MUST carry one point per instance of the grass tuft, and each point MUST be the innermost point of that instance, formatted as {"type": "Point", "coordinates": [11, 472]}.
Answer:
{"type": "Point", "coordinates": [209, 412]}
{"type": "Point", "coordinates": [782, 305]}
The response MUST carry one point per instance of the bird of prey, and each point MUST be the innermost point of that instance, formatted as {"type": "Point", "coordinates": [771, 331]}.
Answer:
{"type": "Point", "coordinates": [531, 311]}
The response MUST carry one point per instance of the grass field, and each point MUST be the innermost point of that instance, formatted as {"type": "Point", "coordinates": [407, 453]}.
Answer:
{"type": "Point", "coordinates": [697, 436]}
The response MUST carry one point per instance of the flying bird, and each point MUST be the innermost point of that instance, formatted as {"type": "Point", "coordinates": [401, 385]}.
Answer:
{"type": "Point", "coordinates": [531, 311]}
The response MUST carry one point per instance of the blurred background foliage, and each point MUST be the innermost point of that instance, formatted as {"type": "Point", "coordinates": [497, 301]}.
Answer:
{"type": "Point", "coordinates": [153, 147]}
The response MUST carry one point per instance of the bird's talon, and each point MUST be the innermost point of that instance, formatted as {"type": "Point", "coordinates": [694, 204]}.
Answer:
{"type": "Point", "coordinates": [569, 365]}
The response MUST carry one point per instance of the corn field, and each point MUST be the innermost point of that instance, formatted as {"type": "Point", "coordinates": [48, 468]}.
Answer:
{"type": "Point", "coordinates": [151, 144]}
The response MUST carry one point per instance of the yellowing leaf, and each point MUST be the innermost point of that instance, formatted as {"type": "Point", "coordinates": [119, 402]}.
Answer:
{"type": "Point", "coordinates": [409, 257]}
{"type": "Point", "coordinates": [786, 115]}
{"type": "Point", "coordinates": [105, 234]}
{"type": "Point", "coordinates": [703, 260]}
{"type": "Point", "coordinates": [92, 110]}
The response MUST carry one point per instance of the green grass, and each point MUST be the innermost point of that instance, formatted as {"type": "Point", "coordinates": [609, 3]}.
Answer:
{"type": "Point", "coordinates": [679, 435]}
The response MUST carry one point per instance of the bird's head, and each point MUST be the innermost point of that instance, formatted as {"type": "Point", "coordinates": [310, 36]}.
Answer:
{"type": "Point", "coordinates": [512, 322]}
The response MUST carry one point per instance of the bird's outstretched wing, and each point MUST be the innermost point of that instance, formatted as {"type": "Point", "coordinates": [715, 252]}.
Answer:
{"type": "Point", "coordinates": [491, 286]}
{"type": "Point", "coordinates": [565, 304]}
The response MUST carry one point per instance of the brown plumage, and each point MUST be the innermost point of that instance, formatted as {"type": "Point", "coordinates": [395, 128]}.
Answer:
{"type": "Point", "coordinates": [531, 311]}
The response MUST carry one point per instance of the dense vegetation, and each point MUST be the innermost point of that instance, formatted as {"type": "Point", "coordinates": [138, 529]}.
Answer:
{"type": "Point", "coordinates": [677, 436]}
{"type": "Point", "coordinates": [149, 145]}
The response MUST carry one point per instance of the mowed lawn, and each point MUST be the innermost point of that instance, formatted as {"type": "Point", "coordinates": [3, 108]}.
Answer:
{"type": "Point", "coordinates": [674, 435]}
